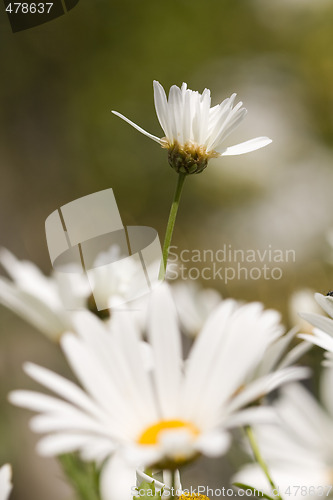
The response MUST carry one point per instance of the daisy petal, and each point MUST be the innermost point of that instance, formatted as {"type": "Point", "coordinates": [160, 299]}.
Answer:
{"type": "Point", "coordinates": [5, 481]}
{"type": "Point", "coordinates": [144, 132]}
{"type": "Point", "coordinates": [117, 480]}
{"type": "Point", "coordinates": [213, 444]}
{"type": "Point", "coordinates": [245, 147]}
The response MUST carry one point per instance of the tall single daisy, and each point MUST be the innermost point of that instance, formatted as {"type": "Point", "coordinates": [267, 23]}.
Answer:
{"type": "Point", "coordinates": [194, 131]}
{"type": "Point", "coordinates": [166, 416]}
{"type": "Point", "coordinates": [5, 481]}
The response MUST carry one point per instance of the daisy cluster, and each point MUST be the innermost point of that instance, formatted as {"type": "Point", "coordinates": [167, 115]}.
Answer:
{"type": "Point", "coordinates": [143, 406]}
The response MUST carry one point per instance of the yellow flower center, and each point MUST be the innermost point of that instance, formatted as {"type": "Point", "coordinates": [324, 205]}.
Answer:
{"type": "Point", "coordinates": [188, 158]}
{"type": "Point", "coordinates": [193, 496]}
{"type": "Point", "coordinates": [151, 435]}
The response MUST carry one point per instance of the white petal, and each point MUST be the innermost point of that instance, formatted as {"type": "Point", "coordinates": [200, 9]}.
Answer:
{"type": "Point", "coordinates": [321, 322]}
{"type": "Point", "coordinates": [326, 389]}
{"type": "Point", "coordinates": [168, 482]}
{"type": "Point", "coordinates": [66, 421]}
{"type": "Point", "coordinates": [228, 124]}
{"type": "Point", "coordinates": [144, 132]}
{"type": "Point", "coordinates": [305, 419]}
{"type": "Point", "coordinates": [33, 309]}
{"type": "Point", "coordinates": [245, 147]}
{"type": "Point", "coordinates": [161, 107]}
{"type": "Point", "coordinates": [164, 336]}
{"type": "Point", "coordinates": [213, 444]}
{"type": "Point", "coordinates": [175, 113]}
{"type": "Point", "coordinates": [99, 383]}
{"type": "Point", "coordinates": [253, 416]}
{"type": "Point", "coordinates": [38, 402]}
{"type": "Point", "coordinates": [275, 353]}
{"type": "Point", "coordinates": [62, 387]}
{"type": "Point", "coordinates": [56, 444]}
{"type": "Point", "coordinates": [295, 354]}
{"type": "Point", "coordinates": [321, 341]}
{"type": "Point", "coordinates": [117, 480]}
{"type": "Point", "coordinates": [266, 384]}
{"type": "Point", "coordinates": [326, 302]}
{"type": "Point", "coordinates": [5, 481]}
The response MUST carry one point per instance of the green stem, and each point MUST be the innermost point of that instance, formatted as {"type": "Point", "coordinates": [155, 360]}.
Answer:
{"type": "Point", "coordinates": [259, 459]}
{"type": "Point", "coordinates": [171, 223]}
{"type": "Point", "coordinates": [84, 477]}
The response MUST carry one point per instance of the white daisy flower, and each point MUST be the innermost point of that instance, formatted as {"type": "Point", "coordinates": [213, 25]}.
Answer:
{"type": "Point", "coordinates": [5, 481]}
{"type": "Point", "coordinates": [299, 450]}
{"type": "Point", "coordinates": [169, 415]}
{"type": "Point", "coordinates": [195, 131]}
{"type": "Point", "coordinates": [322, 334]}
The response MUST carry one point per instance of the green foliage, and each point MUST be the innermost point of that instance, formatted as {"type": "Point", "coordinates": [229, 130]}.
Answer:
{"type": "Point", "coordinates": [83, 476]}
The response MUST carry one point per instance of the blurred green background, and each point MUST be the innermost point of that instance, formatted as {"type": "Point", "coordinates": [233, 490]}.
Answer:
{"type": "Point", "coordinates": [59, 141]}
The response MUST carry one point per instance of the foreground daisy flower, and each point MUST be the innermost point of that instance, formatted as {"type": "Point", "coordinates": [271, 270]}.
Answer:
{"type": "Point", "coordinates": [195, 131]}
{"type": "Point", "coordinates": [165, 417]}
{"type": "Point", "coordinates": [299, 450]}
{"type": "Point", "coordinates": [5, 481]}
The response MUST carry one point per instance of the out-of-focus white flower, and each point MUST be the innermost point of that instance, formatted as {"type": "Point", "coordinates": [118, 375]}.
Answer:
{"type": "Point", "coordinates": [114, 286]}
{"type": "Point", "coordinates": [37, 298]}
{"type": "Point", "coordinates": [322, 334]}
{"type": "Point", "coordinates": [194, 304]}
{"type": "Point", "coordinates": [299, 450]}
{"type": "Point", "coordinates": [48, 302]}
{"type": "Point", "coordinates": [171, 414]}
{"type": "Point", "coordinates": [5, 481]}
{"type": "Point", "coordinates": [195, 131]}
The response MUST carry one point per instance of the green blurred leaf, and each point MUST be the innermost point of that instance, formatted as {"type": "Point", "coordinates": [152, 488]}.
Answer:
{"type": "Point", "coordinates": [83, 476]}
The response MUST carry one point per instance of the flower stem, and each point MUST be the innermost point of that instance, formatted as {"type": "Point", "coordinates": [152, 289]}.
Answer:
{"type": "Point", "coordinates": [171, 223]}
{"type": "Point", "coordinates": [84, 477]}
{"type": "Point", "coordinates": [259, 459]}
